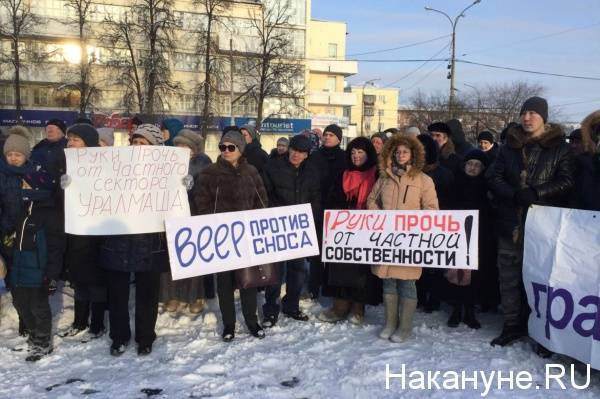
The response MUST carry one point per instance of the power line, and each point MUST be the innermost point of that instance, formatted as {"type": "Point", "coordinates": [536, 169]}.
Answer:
{"type": "Point", "coordinates": [578, 102]}
{"type": "Point", "coordinates": [531, 39]}
{"type": "Point", "coordinates": [424, 77]}
{"type": "Point", "coordinates": [400, 47]}
{"type": "Point", "coordinates": [417, 68]}
{"type": "Point", "coordinates": [529, 71]}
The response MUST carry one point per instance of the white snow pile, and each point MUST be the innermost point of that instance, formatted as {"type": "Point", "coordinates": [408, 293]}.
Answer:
{"type": "Point", "coordinates": [296, 360]}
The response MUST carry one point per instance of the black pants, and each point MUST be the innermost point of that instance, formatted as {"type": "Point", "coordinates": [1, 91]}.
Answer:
{"type": "Point", "coordinates": [33, 308]}
{"type": "Point", "coordinates": [225, 290]}
{"type": "Point", "coordinates": [90, 297]}
{"type": "Point", "coordinates": [512, 291]}
{"type": "Point", "coordinates": [146, 306]}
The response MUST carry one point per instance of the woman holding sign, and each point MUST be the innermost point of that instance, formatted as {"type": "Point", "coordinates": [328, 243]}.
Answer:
{"type": "Point", "coordinates": [229, 185]}
{"type": "Point", "coordinates": [402, 185]}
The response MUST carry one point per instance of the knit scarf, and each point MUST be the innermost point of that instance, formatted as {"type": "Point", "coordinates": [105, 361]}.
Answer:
{"type": "Point", "coordinates": [358, 184]}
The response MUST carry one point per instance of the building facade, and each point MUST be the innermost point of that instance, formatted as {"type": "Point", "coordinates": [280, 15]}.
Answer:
{"type": "Point", "coordinates": [376, 109]}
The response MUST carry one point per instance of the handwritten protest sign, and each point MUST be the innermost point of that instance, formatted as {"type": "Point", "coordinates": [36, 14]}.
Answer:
{"type": "Point", "coordinates": [124, 190]}
{"type": "Point", "coordinates": [561, 275]}
{"type": "Point", "coordinates": [440, 239]}
{"type": "Point", "coordinates": [227, 241]}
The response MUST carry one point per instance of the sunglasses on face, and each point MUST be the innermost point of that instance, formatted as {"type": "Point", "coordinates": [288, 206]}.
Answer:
{"type": "Point", "coordinates": [227, 147]}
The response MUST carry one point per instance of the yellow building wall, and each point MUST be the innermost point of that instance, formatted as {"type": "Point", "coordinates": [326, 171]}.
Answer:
{"type": "Point", "coordinates": [386, 100]}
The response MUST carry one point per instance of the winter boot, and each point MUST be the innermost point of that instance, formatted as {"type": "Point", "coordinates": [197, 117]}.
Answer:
{"type": "Point", "coordinates": [338, 312]}
{"type": "Point", "coordinates": [172, 305]}
{"type": "Point", "coordinates": [390, 302]}
{"type": "Point", "coordinates": [38, 351]}
{"type": "Point", "coordinates": [118, 348]}
{"type": "Point", "coordinates": [407, 313]}
{"type": "Point", "coordinates": [509, 335]}
{"type": "Point", "coordinates": [357, 314]}
{"type": "Point", "coordinates": [455, 317]}
{"type": "Point", "coordinates": [197, 306]}
{"type": "Point", "coordinates": [469, 317]}
{"type": "Point", "coordinates": [97, 322]}
{"type": "Point", "coordinates": [257, 331]}
{"type": "Point", "coordinates": [228, 333]}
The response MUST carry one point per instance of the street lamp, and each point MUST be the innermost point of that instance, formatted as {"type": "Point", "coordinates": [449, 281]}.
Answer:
{"type": "Point", "coordinates": [453, 23]}
{"type": "Point", "coordinates": [478, 106]}
{"type": "Point", "coordinates": [362, 114]}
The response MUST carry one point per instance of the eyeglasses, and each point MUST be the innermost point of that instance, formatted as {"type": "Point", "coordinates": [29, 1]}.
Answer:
{"type": "Point", "coordinates": [228, 147]}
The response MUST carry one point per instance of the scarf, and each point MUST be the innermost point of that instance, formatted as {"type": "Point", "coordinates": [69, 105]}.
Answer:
{"type": "Point", "coordinates": [358, 184]}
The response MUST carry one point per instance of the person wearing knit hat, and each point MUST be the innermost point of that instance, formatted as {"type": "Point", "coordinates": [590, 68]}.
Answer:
{"type": "Point", "coordinates": [282, 145]}
{"type": "Point", "coordinates": [253, 151]}
{"type": "Point", "coordinates": [441, 133]}
{"type": "Point", "coordinates": [413, 130]}
{"type": "Point", "coordinates": [55, 129]}
{"type": "Point", "coordinates": [487, 144]}
{"type": "Point", "coordinates": [232, 137]}
{"type": "Point", "coordinates": [147, 134]}
{"type": "Point", "coordinates": [82, 135]}
{"type": "Point", "coordinates": [378, 140]}
{"type": "Point", "coordinates": [192, 140]}
{"type": "Point", "coordinates": [17, 148]}
{"type": "Point", "coordinates": [170, 128]}
{"type": "Point", "coordinates": [49, 153]}
{"type": "Point", "coordinates": [538, 105]}
{"type": "Point", "coordinates": [335, 130]}
{"type": "Point", "coordinates": [106, 136]}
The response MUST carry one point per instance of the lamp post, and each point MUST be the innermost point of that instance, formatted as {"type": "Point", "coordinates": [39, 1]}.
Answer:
{"type": "Point", "coordinates": [478, 106]}
{"type": "Point", "coordinates": [453, 23]}
{"type": "Point", "coordinates": [362, 114]}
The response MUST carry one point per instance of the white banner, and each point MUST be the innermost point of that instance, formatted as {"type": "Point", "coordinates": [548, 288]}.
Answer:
{"type": "Point", "coordinates": [124, 190]}
{"type": "Point", "coordinates": [561, 273]}
{"type": "Point", "coordinates": [440, 239]}
{"type": "Point", "coordinates": [227, 241]}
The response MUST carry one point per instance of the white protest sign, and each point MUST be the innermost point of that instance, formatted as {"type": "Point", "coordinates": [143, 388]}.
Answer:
{"type": "Point", "coordinates": [441, 239]}
{"type": "Point", "coordinates": [234, 240]}
{"type": "Point", "coordinates": [561, 274]}
{"type": "Point", "coordinates": [124, 190]}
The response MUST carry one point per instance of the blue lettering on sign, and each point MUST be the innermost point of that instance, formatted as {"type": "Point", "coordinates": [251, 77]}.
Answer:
{"type": "Point", "coordinates": [560, 323]}
{"type": "Point", "coordinates": [208, 243]}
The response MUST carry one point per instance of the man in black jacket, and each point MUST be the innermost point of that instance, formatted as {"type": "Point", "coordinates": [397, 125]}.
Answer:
{"type": "Point", "coordinates": [290, 181]}
{"type": "Point", "coordinates": [534, 167]}
{"type": "Point", "coordinates": [254, 153]}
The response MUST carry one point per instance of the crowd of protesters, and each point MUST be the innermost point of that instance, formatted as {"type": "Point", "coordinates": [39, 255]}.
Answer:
{"type": "Point", "coordinates": [534, 163]}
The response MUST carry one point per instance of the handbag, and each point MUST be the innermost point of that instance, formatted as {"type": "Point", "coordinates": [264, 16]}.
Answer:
{"type": "Point", "coordinates": [257, 276]}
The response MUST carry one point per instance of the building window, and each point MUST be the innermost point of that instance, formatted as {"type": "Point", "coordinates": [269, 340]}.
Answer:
{"type": "Point", "coordinates": [368, 126]}
{"type": "Point", "coordinates": [332, 50]}
{"type": "Point", "coordinates": [42, 96]}
{"type": "Point", "coordinates": [381, 112]}
{"type": "Point", "coordinates": [7, 95]}
{"type": "Point", "coordinates": [347, 112]}
{"type": "Point", "coordinates": [381, 99]}
{"type": "Point", "coordinates": [330, 84]}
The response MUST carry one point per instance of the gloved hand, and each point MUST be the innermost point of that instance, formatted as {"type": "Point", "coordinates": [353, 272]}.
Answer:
{"type": "Point", "coordinates": [51, 287]}
{"type": "Point", "coordinates": [526, 196]}
{"type": "Point", "coordinates": [188, 182]}
{"type": "Point", "coordinates": [65, 180]}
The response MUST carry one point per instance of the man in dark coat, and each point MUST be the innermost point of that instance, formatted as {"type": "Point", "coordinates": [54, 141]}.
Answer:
{"type": "Point", "coordinates": [330, 162]}
{"type": "Point", "coordinates": [448, 158]}
{"type": "Point", "coordinates": [534, 167]}
{"type": "Point", "coordinates": [254, 153]}
{"type": "Point", "coordinates": [48, 153]}
{"type": "Point", "coordinates": [487, 144]}
{"type": "Point", "coordinates": [587, 193]}
{"type": "Point", "coordinates": [290, 181]}
{"type": "Point", "coordinates": [461, 145]}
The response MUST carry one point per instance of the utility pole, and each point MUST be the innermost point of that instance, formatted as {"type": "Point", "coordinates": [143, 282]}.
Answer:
{"type": "Point", "coordinates": [452, 66]}
{"type": "Point", "coordinates": [231, 100]}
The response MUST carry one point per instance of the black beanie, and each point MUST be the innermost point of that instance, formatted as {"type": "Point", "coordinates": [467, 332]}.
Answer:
{"type": "Point", "coordinates": [300, 143]}
{"type": "Point", "coordinates": [538, 105]}
{"type": "Point", "coordinates": [478, 155]}
{"type": "Point", "coordinates": [335, 129]}
{"type": "Point", "coordinates": [60, 124]}
{"type": "Point", "coordinates": [440, 127]}
{"type": "Point", "coordinates": [86, 132]}
{"type": "Point", "coordinates": [487, 136]}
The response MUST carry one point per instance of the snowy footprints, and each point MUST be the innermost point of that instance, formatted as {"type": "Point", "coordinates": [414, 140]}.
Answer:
{"type": "Point", "coordinates": [149, 392]}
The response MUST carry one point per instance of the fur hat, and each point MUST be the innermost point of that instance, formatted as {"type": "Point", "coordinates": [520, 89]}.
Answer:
{"type": "Point", "coordinates": [486, 136]}
{"type": "Point", "coordinates": [192, 140]}
{"type": "Point", "coordinates": [536, 104]}
{"type": "Point", "coordinates": [361, 143]}
{"type": "Point", "coordinates": [151, 133]}
{"type": "Point", "coordinates": [439, 127]}
{"type": "Point", "coordinates": [300, 143]}
{"type": "Point", "coordinates": [416, 149]}
{"type": "Point", "coordinates": [86, 132]}
{"type": "Point", "coordinates": [18, 141]}
{"type": "Point", "coordinates": [335, 129]}
{"type": "Point", "coordinates": [60, 124]}
{"type": "Point", "coordinates": [478, 155]}
{"type": "Point", "coordinates": [234, 137]}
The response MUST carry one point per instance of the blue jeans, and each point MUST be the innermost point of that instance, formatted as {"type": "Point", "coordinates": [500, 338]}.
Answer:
{"type": "Point", "coordinates": [402, 288]}
{"type": "Point", "coordinates": [295, 275]}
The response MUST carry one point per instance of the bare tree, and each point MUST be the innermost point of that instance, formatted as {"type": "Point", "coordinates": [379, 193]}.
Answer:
{"type": "Point", "coordinates": [142, 42]}
{"type": "Point", "coordinates": [208, 47]}
{"type": "Point", "coordinates": [504, 101]}
{"type": "Point", "coordinates": [276, 70]}
{"type": "Point", "coordinates": [84, 85]}
{"type": "Point", "coordinates": [17, 28]}
{"type": "Point", "coordinates": [428, 108]}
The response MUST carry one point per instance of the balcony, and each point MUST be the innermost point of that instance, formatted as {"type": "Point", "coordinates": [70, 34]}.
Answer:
{"type": "Point", "coordinates": [341, 67]}
{"type": "Point", "coordinates": [334, 98]}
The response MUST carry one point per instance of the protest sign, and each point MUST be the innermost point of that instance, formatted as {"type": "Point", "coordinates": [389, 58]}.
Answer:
{"type": "Point", "coordinates": [227, 241]}
{"type": "Point", "coordinates": [124, 190]}
{"type": "Point", "coordinates": [440, 239]}
{"type": "Point", "coordinates": [561, 274]}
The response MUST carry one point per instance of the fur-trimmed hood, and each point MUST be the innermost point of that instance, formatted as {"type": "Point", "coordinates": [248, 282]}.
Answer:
{"type": "Point", "coordinates": [416, 148]}
{"type": "Point", "coordinates": [587, 127]}
{"type": "Point", "coordinates": [553, 135]}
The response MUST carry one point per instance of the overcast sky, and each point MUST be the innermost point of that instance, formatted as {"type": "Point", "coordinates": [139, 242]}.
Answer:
{"type": "Point", "coordinates": [498, 32]}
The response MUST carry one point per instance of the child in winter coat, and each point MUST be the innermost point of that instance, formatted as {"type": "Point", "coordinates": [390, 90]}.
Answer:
{"type": "Point", "coordinates": [402, 185]}
{"type": "Point", "coordinates": [32, 236]}
{"type": "Point", "coordinates": [472, 195]}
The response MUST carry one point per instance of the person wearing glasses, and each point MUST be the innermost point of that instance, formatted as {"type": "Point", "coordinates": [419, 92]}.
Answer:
{"type": "Point", "coordinates": [229, 185]}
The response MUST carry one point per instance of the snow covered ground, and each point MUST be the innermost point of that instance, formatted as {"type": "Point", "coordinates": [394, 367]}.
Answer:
{"type": "Point", "coordinates": [295, 360]}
